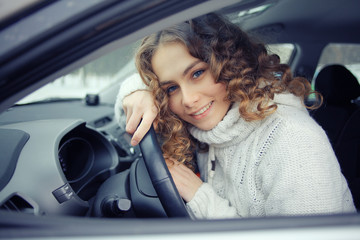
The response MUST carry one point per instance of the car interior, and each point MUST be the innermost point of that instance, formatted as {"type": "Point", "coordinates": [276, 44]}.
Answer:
{"type": "Point", "coordinates": [68, 159]}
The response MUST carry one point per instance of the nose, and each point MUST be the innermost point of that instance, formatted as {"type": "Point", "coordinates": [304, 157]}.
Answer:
{"type": "Point", "coordinates": [189, 97]}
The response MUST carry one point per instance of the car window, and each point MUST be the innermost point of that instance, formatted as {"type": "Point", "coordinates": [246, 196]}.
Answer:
{"type": "Point", "coordinates": [284, 50]}
{"type": "Point", "coordinates": [113, 67]}
{"type": "Point", "coordinates": [344, 54]}
{"type": "Point", "coordinates": [338, 53]}
{"type": "Point", "coordinates": [90, 78]}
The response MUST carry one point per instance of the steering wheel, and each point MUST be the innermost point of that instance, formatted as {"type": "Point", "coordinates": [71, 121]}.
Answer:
{"type": "Point", "coordinates": [160, 176]}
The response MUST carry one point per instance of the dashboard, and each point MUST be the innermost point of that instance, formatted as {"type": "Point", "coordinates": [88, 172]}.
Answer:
{"type": "Point", "coordinates": [55, 156]}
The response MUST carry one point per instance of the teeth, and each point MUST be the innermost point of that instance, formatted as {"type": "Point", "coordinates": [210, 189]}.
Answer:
{"type": "Point", "coordinates": [203, 109]}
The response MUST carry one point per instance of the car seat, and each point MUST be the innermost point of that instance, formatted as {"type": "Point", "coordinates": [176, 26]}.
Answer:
{"type": "Point", "coordinates": [340, 118]}
{"type": "Point", "coordinates": [339, 88]}
{"type": "Point", "coordinates": [347, 150]}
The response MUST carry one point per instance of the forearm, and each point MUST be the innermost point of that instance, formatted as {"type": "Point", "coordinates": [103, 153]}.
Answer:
{"type": "Point", "coordinates": [206, 204]}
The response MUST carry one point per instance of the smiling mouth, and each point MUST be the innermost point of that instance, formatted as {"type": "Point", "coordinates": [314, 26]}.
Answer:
{"type": "Point", "coordinates": [201, 111]}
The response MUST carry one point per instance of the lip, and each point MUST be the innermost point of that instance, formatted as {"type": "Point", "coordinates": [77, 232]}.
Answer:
{"type": "Point", "coordinates": [203, 112]}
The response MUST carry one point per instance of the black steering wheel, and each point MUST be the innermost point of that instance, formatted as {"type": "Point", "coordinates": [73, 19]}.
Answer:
{"type": "Point", "coordinates": [160, 176]}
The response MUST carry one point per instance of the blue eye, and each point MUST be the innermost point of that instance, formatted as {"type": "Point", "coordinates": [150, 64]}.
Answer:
{"type": "Point", "coordinates": [171, 89]}
{"type": "Point", "coordinates": [198, 73]}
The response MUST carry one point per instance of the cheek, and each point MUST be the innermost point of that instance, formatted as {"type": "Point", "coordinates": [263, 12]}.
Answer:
{"type": "Point", "coordinates": [174, 106]}
{"type": "Point", "coordinates": [220, 89]}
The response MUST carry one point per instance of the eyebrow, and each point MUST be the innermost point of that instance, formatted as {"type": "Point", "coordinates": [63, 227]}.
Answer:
{"type": "Point", "coordinates": [184, 73]}
{"type": "Point", "coordinates": [190, 67]}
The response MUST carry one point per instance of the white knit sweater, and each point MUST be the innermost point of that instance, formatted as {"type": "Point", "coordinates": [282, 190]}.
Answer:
{"type": "Point", "coordinates": [282, 165]}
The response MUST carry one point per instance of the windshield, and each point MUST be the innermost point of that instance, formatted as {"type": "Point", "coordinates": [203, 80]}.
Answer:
{"type": "Point", "coordinates": [91, 78]}
{"type": "Point", "coordinates": [107, 71]}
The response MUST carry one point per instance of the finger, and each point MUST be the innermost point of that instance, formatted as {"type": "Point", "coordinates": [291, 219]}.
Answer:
{"type": "Point", "coordinates": [128, 114]}
{"type": "Point", "coordinates": [140, 132]}
{"type": "Point", "coordinates": [143, 128]}
{"type": "Point", "coordinates": [133, 122]}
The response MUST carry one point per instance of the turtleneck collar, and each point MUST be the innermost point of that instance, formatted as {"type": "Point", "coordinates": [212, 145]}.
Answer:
{"type": "Point", "coordinates": [234, 129]}
{"type": "Point", "coordinates": [231, 128]}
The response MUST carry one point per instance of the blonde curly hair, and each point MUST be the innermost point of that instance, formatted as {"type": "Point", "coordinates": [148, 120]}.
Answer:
{"type": "Point", "coordinates": [251, 74]}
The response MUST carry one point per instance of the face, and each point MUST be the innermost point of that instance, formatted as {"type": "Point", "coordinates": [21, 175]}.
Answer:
{"type": "Point", "coordinates": [194, 96]}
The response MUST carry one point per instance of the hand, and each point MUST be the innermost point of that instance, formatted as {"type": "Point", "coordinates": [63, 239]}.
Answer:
{"type": "Point", "coordinates": [139, 106]}
{"type": "Point", "coordinates": [186, 181]}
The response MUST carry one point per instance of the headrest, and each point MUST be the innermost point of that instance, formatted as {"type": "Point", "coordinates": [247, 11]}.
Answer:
{"type": "Point", "coordinates": [337, 84]}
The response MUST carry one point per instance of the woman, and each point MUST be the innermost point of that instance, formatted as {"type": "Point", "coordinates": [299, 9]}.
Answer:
{"type": "Point", "coordinates": [212, 90]}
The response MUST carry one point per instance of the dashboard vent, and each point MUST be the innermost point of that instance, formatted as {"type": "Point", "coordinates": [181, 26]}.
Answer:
{"type": "Point", "coordinates": [18, 204]}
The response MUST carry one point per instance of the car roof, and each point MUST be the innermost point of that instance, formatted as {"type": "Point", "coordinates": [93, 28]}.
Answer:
{"type": "Point", "coordinates": [304, 21]}
{"type": "Point", "coordinates": [11, 8]}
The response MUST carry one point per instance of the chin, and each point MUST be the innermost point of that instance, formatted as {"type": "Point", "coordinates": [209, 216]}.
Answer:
{"type": "Point", "coordinates": [206, 127]}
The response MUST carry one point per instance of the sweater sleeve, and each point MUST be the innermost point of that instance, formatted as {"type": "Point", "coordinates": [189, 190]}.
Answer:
{"type": "Point", "coordinates": [206, 204]}
{"type": "Point", "coordinates": [129, 85]}
{"type": "Point", "coordinates": [301, 175]}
